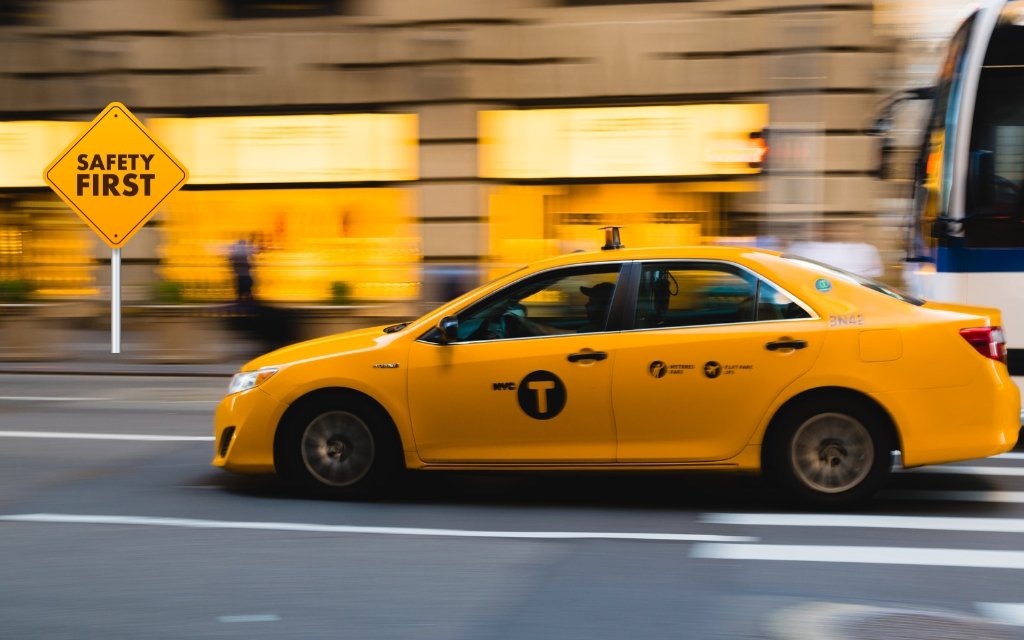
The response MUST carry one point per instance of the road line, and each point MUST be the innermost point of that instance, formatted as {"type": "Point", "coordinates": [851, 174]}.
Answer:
{"type": "Point", "coordinates": [930, 523]}
{"type": "Point", "coordinates": [190, 523]}
{"type": "Point", "coordinates": [974, 471]}
{"type": "Point", "coordinates": [141, 437]}
{"type": "Point", "coordinates": [270, 617]}
{"type": "Point", "coordinates": [53, 399]}
{"type": "Point", "coordinates": [1010, 456]}
{"type": "Point", "coordinates": [145, 401]}
{"type": "Point", "coordinates": [1013, 497]}
{"type": "Point", "coordinates": [1005, 612]}
{"type": "Point", "coordinates": [862, 555]}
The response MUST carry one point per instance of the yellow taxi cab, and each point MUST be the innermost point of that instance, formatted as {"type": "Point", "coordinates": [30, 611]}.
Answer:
{"type": "Point", "coordinates": [722, 358]}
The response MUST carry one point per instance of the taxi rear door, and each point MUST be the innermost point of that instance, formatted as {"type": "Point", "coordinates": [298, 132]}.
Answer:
{"type": "Point", "coordinates": [713, 346]}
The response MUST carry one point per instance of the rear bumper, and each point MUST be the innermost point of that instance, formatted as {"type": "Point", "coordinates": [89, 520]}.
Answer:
{"type": "Point", "coordinates": [940, 425]}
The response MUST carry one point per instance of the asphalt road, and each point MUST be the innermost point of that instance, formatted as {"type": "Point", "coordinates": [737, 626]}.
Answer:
{"type": "Point", "coordinates": [113, 525]}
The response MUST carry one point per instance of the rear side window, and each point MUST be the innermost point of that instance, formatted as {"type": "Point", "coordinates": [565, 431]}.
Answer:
{"type": "Point", "coordinates": [694, 294]}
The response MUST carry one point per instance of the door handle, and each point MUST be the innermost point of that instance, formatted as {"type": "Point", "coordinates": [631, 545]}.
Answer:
{"type": "Point", "coordinates": [587, 355]}
{"type": "Point", "coordinates": [785, 343]}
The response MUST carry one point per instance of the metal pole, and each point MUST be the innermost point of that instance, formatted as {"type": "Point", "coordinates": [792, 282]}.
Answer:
{"type": "Point", "coordinates": [115, 301]}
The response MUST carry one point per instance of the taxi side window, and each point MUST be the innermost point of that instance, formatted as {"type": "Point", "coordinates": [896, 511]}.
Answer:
{"type": "Point", "coordinates": [694, 294]}
{"type": "Point", "coordinates": [566, 301]}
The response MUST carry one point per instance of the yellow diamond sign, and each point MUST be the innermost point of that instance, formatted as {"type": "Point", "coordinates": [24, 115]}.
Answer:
{"type": "Point", "coordinates": [115, 175]}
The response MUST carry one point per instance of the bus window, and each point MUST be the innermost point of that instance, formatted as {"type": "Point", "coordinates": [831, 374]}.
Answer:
{"type": "Point", "coordinates": [994, 214]}
{"type": "Point", "coordinates": [934, 172]}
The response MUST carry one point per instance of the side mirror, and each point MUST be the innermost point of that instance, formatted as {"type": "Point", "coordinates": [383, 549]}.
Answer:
{"type": "Point", "coordinates": [448, 327]}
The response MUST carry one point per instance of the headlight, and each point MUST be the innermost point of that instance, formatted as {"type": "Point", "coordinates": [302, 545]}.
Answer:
{"type": "Point", "coordinates": [250, 379]}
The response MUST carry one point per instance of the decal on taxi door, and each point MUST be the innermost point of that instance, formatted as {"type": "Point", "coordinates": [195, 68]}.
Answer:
{"type": "Point", "coordinates": [712, 369]}
{"type": "Point", "coordinates": [542, 395]}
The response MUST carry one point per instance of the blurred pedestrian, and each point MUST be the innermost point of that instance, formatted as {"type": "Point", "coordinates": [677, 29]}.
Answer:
{"type": "Point", "coordinates": [240, 257]}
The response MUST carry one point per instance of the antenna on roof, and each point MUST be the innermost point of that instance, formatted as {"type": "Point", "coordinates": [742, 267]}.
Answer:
{"type": "Point", "coordinates": [611, 239]}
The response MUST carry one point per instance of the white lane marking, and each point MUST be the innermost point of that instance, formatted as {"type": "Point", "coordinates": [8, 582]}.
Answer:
{"type": "Point", "coordinates": [1010, 456]}
{"type": "Point", "coordinates": [142, 437]}
{"type": "Point", "coordinates": [1005, 612]}
{"type": "Point", "coordinates": [267, 617]}
{"type": "Point", "coordinates": [862, 555]}
{"type": "Point", "coordinates": [113, 400]}
{"type": "Point", "coordinates": [117, 401]}
{"type": "Point", "coordinates": [987, 525]}
{"type": "Point", "coordinates": [974, 471]}
{"type": "Point", "coordinates": [51, 399]}
{"type": "Point", "coordinates": [399, 531]}
{"type": "Point", "coordinates": [807, 621]}
{"type": "Point", "coordinates": [1015, 497]}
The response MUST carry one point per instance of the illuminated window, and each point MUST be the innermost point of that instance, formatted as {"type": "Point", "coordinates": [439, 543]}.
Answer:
{"type": "Point", "coordinates": [312, 245]}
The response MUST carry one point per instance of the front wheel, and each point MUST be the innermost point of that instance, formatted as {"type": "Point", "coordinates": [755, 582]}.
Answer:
{"type": "Point", "coordinates": [829, 455]}
{"type": "Point", "coordinates": [347, 449]}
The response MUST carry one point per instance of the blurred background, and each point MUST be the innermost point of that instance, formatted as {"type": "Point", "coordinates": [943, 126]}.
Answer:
{"type": "Point", "coordinates": [365, 160]}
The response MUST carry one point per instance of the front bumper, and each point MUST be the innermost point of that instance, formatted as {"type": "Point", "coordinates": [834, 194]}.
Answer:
{"type": "Point", "coordinates": [243, 432]}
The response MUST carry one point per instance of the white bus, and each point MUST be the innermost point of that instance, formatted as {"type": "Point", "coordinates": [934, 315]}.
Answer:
{"type": "Point", "coordinates": [966, 243]}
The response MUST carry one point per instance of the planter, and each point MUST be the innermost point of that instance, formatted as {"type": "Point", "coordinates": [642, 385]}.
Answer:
{"type": "Point", "coordinates": [175, 333]}
{"type": "Point", "coordinates": [36, 331]}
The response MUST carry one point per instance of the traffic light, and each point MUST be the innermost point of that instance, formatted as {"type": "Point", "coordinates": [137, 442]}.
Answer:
{"type": "Point", "coordinates": [760, 140]}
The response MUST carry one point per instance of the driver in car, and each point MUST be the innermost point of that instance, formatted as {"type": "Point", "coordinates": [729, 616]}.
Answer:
{"type": "Point", "coordinates": [599, 301]}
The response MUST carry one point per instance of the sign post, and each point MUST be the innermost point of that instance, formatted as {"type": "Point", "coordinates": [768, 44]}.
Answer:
{"type": "Point", "coordinates": [115, 301]}
{"type": "Point", "coordinates": [115, 175]}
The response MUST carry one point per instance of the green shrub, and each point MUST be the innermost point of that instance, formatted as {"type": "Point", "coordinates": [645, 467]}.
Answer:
{"type": "Point", "coordinates": [169, 292]}
{"type": "Point", "coordinates": [15, 290]}
{"type": "Point", "coordinates": [340, 293]}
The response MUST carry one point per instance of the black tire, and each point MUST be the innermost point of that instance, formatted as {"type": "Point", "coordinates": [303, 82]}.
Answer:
{"type": "Point", "coordinates": [830, 452]}
{"type": "Point", "coordinates": [345, 448]}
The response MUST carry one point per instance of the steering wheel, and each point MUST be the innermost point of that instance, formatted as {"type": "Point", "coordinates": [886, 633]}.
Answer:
{"type": "Point", "coordinates": [516, 326]}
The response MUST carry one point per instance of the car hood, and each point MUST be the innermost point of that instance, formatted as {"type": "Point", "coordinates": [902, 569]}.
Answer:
{"type": "Point", "coordinates": [328, 346]}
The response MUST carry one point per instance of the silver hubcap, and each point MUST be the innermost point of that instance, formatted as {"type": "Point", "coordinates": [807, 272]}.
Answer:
{"type": "Point", "coordinates": [337, 448]}
{"type": "Point", "coordinates": [832, 452]}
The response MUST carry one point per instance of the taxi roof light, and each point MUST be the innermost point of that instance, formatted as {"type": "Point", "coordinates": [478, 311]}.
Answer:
{"type": "Point", "coordinates": [611, 239]}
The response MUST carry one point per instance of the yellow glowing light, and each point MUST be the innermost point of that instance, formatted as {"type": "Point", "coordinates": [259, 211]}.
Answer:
{"type": "Point", "coordinates": [364, 147]}
{"type": "Point", "coordinates": [28, 146]}
{"type": "Point", "coordinates": [689, 140]}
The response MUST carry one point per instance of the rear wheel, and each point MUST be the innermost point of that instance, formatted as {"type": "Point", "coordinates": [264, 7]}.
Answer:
{"type": "Point", "coordinates": [829, 453]}
{"type": "Point", "coordinates": [346, 448]}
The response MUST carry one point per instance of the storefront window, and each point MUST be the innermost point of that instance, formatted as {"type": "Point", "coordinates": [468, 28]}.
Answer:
{"type": "Point", "coordinates": [310, 245]}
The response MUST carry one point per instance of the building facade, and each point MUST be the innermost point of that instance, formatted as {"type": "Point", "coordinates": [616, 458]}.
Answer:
{"type": "Point", "coordinates": [625, 75]}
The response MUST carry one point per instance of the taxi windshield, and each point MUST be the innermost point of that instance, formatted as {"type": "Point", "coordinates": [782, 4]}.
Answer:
{"type": "Point", "coordinates": [870, 283]}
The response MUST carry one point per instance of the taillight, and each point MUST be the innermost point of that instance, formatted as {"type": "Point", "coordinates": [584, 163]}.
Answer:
{"type": "Point", "coordinates": [988, 341]}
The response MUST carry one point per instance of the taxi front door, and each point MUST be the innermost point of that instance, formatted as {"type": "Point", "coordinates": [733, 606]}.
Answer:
{"type": "Point", "coordinates": [540, 400]}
